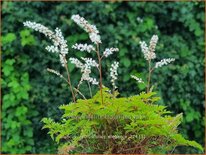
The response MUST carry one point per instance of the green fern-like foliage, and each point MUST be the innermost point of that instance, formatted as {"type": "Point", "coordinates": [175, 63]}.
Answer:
{"type": "Point", "coordinates": [120, 125]}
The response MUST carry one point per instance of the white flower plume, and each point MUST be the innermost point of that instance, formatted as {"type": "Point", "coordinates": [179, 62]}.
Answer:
{"type": "Point", "coordinates": [153, 43]}
{"type": "Point", "coordinates": [83, 47]}
{"type": "Point", "coordinates": [149, 52]}
{"type": "Point", "coordinates": [164, 62]}
{"type": "Point", "coordinates": [145, 50]}
{"type": "Point", "coordinates": [76, 62]}
{"type": "Point", "coordinates": [139, 80]}
{"type": "Point", "coordinates": [85, 69]}
{"type": "Point", "coordinates": [109, 51]}
{"type": "Point", "coordinates": [113, 73]}
{"type": "Point", "coordinates": [84, 24]}
{"type": "Point", "coordinates": [95, 38]}
{"type": "Point", "coordinates": [55, 72]}
{"type": "Point", "coordinates": [90, 29]}
{"type": "Point", "coordinates": [40, 28]}
{"type": "Point", "coordinates": [90, 62]}
{"type": "Point", "coordinates": [59, 43]}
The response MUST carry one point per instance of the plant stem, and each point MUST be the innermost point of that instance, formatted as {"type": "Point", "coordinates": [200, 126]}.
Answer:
{"type": "Point", "coordinates": [149, 75]}
{"type": "Point", "coordinates": [100, 71]}
{"type": "Point", "coordinates": [80, 93]}
{"type": "Point", "coordinates": [68, 78]}
{"type": "Point", "coordinates": [78, 87]}
{"type": "Point", "coordinates": [77, 91]}
{"type": "Point", "coordinates": [90, 90]}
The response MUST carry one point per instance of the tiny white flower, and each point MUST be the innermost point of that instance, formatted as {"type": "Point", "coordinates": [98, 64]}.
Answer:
{"type": "Point", "coordinates": [145, 50]}
{"type": "Point", "coordinates": [91, 29]}
{"type": "Point", "coordinates": [77, 63]}
{"type": "Point", "coordinates": [52, 49]}
{"type": "Point", "coordinates": [109, 51]}
{"type": "Point", "coordinates": [139, 80]}
{"type": "Point", "coordinates": [90, 62]}
{"type": "Point", "coordinates": [83, 47]}
{"type": "Point", "coordinates": [61, 42]}
{"type": "Point", "coordinates": [153, 43]}
{"type": "Point", "coordinates": [156, 27]}
{"type": "Point", "coordinates": [86, 70]}
{"type": "Point", "coordinates": [83, 23]}
{"type": "Point", "coordinates": [140, 20]}
{"type": "Point", "coordinates": [164, 62]}
{"type": "Point", "coordinates": [85, 73]}
{"type": "Point", "coordinates": [149, 52]}
{"type": "Point", "coordinates": [93, 81]}
{"type": "Point", "coordinates": [62, 58]}
{"type": "Point", "coordinates": [55, 72]}
{"type": "Point", "coordinates": [40, 28]}
{"type": "Point", "coordinates": [113, 73]}
{"type": "Point", "coordinates": [95, 38]}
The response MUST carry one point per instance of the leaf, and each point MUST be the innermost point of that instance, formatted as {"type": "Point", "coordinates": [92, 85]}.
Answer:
{"type": "Point", "coordinates": [125, 61]}
{"type": "Point", "coordinates": [22, 110]}
{"type": "Point", "coordinates": [10, 37]}
{"type": "Point", "coordinates": [196, 145]}
{"type": "Point", "coordinates": [8, 67]}
{"type": "Point", "coordinates": [28, 132]}
{"type": "Point", "coordinates": [27, 38]}
{"type": "Point", "coordinates": [181, 141]}
{"type": "Point", "coordinates": [189, 117]}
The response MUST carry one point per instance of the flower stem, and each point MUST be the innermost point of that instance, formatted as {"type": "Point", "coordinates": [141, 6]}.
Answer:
{"type": "Point", "coordinates": [77, 91]}
{"type": "Point", "coordinates": [149, 75]}
{"type": "Point", "coordinates": [68, 78]}
{"type": "Point", "coordinates": [80, 93]}
{"type": "Point", "coordinates": [90, 90]}
{"type": "Point", "coordinates": [100, 71]}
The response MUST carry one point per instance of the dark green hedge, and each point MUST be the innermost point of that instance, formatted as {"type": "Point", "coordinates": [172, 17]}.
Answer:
{"type": "Point", "coordinates": [31, 93]}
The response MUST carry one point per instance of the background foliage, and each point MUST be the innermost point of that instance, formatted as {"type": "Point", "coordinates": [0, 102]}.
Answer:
{"type": "Point", "coordinates": [31, 93]}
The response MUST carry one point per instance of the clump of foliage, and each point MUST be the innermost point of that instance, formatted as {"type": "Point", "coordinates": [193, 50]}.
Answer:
{"type": "Point", "coordinates": [121, 125]}
{"type": "Point", "coordinates": [17, 130]}
{"type": "Point", "coordinates": [106, 123]}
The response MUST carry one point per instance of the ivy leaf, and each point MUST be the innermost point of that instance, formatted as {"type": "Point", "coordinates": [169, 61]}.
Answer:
{"type": "Point", "coordinates": [126, 62]}
{"type": "Point", "coordinates": [10, 37]}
